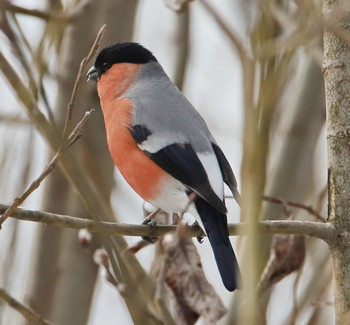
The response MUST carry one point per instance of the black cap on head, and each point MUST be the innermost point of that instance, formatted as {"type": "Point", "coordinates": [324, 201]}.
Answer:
{"type": "Point", "coordinates": [127, 52]}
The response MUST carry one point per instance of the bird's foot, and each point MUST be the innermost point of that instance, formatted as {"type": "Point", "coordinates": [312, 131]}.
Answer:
{"type": "Point", "coordinates": [200, 238]}
{"type": "Point", "coordinates": [150, 224]}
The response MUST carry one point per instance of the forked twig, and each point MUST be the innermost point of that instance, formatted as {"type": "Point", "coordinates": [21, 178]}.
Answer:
{"type": "Point", "coordinates": [286, 204]}
{"type": "Point", "coordinates": [67, 140]}
{"type": "Point", "coordinates": [228, 31]}
{"type": "Point", "coordinates": [310, 209]}
{"type": "Point", "coordinates": [149, 218]}
{"type": "Point", "coordinates": [73, 137]}
{"type": "Point", "coordinates": [79, 79]}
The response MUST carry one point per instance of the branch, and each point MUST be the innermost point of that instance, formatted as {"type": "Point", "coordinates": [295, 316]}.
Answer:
{"type": "Point", "coordinates": [73, 137]}
{"type": "Point", "coordinates": [32, 12]}
{"type": "Point", "coordinates": [67, 140]}
{"type": "Point", "coordinates": [308, 208]}
{"type": "Point", "coordinates": [228, 31]}
{"type": "Point", "coordinates": [79, 79]}
{"type": "Point", "coordinates": [31, 316]}
{"type": "Point", "coordinates": [44, 15]}
{"type": "Point", "coordinates": [319, 230]}
{"type": "Point", "coordinates": [286, 204]}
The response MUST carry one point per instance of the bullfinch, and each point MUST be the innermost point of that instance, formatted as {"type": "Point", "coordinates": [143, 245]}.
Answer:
{"type": "Point", "coordinates": [162, 146]}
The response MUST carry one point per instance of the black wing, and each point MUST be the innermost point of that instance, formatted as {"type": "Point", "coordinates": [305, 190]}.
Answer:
{"type": "Point", "coordinates": [181, 161]}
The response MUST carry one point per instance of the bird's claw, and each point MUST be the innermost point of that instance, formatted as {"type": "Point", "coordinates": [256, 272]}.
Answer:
{"type": "Point", "coordinates": [199, 238]}
{"type": "Point", "coordinates": [151, 224]}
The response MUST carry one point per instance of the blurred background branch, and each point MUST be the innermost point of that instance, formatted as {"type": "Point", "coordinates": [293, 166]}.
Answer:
{"type": "Point", "coordinates": [27, 313]}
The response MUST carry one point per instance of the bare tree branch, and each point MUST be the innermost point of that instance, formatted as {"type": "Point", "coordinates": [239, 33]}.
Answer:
{"type": "Point", "coordinates": [285, 203]}
{"type": "Point", "coordinates": [308, 208]}
{"type": "Point", "coordinates": [79, 78]}
{"type": "Point", "coordinates": [32, 12]}
{"type": "Point", "coordinates": [67, 140]}
{"type": "Point", "coordinates": [73, 137]}
{"type": "Point", "coordinates": [31, 316]}
{"type": "Point", "coordinates": [319, 230]}
{"type": "Point", "coordinates": [45, 15]}
{"type": "Point", "coordinates": [228, 31]}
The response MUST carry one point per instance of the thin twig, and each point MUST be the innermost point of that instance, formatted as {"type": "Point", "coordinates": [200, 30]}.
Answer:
{"type": "Point", "coordinates": [68, 17]}
{"type": "Point", "coordinates": [79, 79]}
{"type": "Point", "coordinates": [228, 31]}
{"type": "Point", "coordinates": [76, 133]}
{"type": "Point", "coordinates": [26, 97]}
{"type": "Point", "coordinates": [310, 209]}
{"type": "Point", "coordinates": [33, 12]}
{"type": "Point", "coordinates": [294, 312]}
{"type": "Point", "coordinates": [73, 137]}
{"type": "Point", "coordinates": [191, 197]}
{"type": "Point", "coordinates": [321, 197]}
{"type": "Point", "coordinates": [315, 229]}
{"type": "Point", "coordinates": [152, 215]}
{"type": "Point", "coordinates": [67, 140]}
{"type": "Point", "coordinates": [30, 316]}
{"type": "Point", "coordinates": [286, 203]}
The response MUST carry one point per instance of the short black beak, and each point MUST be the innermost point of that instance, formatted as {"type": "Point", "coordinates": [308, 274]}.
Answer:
{"type": "Point", "coordinates": [93, 74]}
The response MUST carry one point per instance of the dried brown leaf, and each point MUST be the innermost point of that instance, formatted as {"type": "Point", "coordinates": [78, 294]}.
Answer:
{"type": "Point", "coordinates": [181, 269]}
{"type": "Point", "coordinates": [287, 255]}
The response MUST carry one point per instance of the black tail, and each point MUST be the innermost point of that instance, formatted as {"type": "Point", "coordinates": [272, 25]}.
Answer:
{"type": "Point", "coordinates": [215, 224]}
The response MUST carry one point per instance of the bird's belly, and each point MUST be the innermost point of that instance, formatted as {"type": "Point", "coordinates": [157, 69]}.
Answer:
{"type": "Point", "coordinates": [172, 197]}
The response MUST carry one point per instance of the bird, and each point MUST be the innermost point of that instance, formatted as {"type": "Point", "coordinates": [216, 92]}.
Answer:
{"type": "Point", "coordinates": [163, 147]}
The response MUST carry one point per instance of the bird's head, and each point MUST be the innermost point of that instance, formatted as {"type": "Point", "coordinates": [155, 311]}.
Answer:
{"type": "Point", "coordinates": [127, 52]}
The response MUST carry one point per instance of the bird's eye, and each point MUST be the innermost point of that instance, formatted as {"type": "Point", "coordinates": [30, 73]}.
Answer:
{"type": "Point", "coordinates": [106, 66]}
